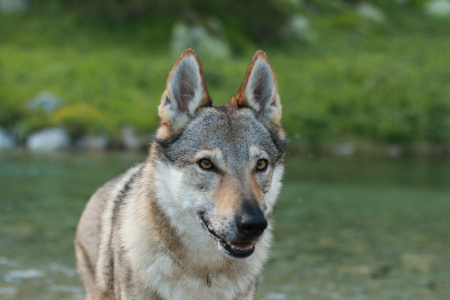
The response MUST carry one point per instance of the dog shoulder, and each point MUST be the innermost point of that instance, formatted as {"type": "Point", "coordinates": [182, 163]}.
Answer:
{"type": "Point", "coordinates": [94, 238]}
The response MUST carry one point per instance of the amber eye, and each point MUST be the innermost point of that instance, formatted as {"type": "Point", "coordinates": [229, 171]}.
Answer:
{"type": "Point", "coordinates": [206, 164]}
{"type": "Point", "coordinates": [261, 164]}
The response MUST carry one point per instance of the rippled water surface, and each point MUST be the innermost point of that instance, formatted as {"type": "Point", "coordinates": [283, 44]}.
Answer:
{"type": "Point", "coordinates": [345, 228]}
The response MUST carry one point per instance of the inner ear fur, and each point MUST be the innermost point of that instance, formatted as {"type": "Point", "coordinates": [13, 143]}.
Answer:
{"type": "Point", "coordinates": [259, 89]}
{"type": "Point", "coordinates": [185, 92]}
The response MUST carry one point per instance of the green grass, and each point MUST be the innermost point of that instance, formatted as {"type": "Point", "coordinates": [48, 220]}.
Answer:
{"type": "Point", "coordinates": [357, 82]}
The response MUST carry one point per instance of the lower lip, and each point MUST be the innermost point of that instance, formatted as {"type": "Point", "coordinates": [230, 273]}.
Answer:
{"type": "Point", "coordinates": [242, 246]}
{"type": "Point", "coordinates": [237, 250]}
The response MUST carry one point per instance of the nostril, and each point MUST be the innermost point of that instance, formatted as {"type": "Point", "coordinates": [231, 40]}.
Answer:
{"type": "Point", "coordinates": [252, 226]}
{"type": "Point", "coordinates": [246, 227]}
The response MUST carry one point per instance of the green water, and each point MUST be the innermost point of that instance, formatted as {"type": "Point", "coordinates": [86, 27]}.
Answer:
{"type": "Point", "coordinates": [345, 228]}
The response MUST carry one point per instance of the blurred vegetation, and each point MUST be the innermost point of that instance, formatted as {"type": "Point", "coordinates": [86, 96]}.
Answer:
{"type": "Point", "coordinates": [353, 80]}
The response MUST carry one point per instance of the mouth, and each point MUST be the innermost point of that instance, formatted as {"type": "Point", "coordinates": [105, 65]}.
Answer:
{"type": "Point", "coordinates": [232, 248]}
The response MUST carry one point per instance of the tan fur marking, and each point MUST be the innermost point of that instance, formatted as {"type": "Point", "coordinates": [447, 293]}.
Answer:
{"type": "Point", "coordinates": [163, 132]}
{"type": "Point", "coordinates": [227, 199]}
{"type": "Point", "coordinates": [276, 116]}
{"type": "Point", "coordinates": [233, 193]}
{"type": "Point", "coordinates": [168, 234]}
{"type": "Point", "coordinates": [256, 189]}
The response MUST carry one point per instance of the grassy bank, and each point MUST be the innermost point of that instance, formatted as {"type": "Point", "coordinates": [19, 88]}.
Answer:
{"type": "Point", "coordinates": [355, 82]}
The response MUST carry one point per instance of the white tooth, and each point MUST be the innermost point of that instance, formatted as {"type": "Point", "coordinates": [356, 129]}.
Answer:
{"type": "Point", "coordinates": [210, 227]}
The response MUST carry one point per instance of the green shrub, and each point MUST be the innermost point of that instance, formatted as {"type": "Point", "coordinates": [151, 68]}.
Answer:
{"type": "Point", "coordinates": [10, 112]}
{"type": "Point", "coordinates": [258, 20]}
{"type": "Point", "coordinates": [437, 127]}
{"type": "Point", "coordinates": [79, 119]}
{"type": "Point", "coordinates": [32, 122]}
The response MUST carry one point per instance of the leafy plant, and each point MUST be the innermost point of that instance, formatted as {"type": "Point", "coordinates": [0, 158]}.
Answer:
{"type": "Point", "coordinates": [80, 118]}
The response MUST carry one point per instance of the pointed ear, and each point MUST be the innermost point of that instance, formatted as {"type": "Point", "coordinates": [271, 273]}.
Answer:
{"type": "Point", "coordinates": [259, 90]}
{"type": "Point", "coordinates": [185, 92]}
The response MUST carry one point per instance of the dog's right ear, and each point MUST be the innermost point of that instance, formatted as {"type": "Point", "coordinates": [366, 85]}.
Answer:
{"type": "Point", "coordinates": [185, 92]}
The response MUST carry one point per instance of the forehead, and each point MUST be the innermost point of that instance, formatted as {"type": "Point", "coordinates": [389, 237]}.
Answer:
{"type": "Point", "coordinates": [231, 131]}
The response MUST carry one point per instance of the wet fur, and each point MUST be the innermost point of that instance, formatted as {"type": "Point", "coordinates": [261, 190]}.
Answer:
{"type": "Point", "coordinates": [140, 236]}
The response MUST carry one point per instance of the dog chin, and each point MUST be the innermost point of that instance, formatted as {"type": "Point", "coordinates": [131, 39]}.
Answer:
{"type": "Point", "coordinates": [231, 248]}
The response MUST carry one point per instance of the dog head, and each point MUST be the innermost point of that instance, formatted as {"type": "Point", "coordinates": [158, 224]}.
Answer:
{"type": "Point", "coordinates": [223, 163]}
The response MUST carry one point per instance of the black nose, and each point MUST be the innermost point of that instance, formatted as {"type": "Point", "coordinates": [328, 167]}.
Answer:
{"type": "Point", "coordinates": [251, 221]}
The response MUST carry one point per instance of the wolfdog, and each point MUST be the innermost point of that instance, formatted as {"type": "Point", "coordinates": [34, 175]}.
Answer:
{"type": "Point", "coordinates": [193, 221]}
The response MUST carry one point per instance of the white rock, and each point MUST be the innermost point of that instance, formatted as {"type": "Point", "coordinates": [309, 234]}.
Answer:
{"type": "Point", "coordinates": [344, 149]}
{"type": "Point", "coordinates": [129, 138]}
{"type": "Point", "coordinates": [97, 142]}
{"type": "Point", "coordinates": [198, 38]}
{"type": "Point", "coordinates": [298, 28]}
{"type": "Point", "coordinates": [394, 150]}
{"type": "Point", "coordinates": [371, 13]}
{"type": "Point", "coordinates": [7, 141]}
{"type": "Point", "coordinates": [438, 8]}
{"type": "Point", "coordinates": [48, 140]}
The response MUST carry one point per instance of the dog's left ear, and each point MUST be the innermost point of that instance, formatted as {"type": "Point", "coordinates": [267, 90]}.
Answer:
{"type": "Point", "coordinates": [259, 90]}
{"type": "Point", "coordinates": [185, 92]}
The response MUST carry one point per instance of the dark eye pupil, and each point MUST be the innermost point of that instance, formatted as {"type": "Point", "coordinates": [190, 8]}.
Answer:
{"type": "Point", "coordinates": [206, 164]}
{"type": "Point", "coordinates": [261, 164]}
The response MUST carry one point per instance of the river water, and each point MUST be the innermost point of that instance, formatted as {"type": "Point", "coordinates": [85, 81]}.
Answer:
{"type": "Point", "coordinates": [345, 228]}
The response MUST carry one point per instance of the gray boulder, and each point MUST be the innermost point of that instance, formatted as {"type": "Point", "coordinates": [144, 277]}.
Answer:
{"type": "Point", "coordinates": [394, 151]}
{"type": "Point", "coordinates": [299, 29]}
{"type": "Point", "coordinates": [48, 140]}
{"type": "Point", "coordinates": [343, 149]}
{"type": "Point", "coordinates": [198, 38]}
{"type": "Point", "coordinates": [10, 6]}
{"type": "Point", "coordinates": [45, 101]}
{"type": "Point", "coordinates": [371, 13]}
{"type": "Point", "coordinates": [438, 8]}
{"type": "Point", "coordinates": [97, 142]}
{"type": "Point", "coordinates": [7, 141]}
{"type": "Point", "coordinates": [129, 139]}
